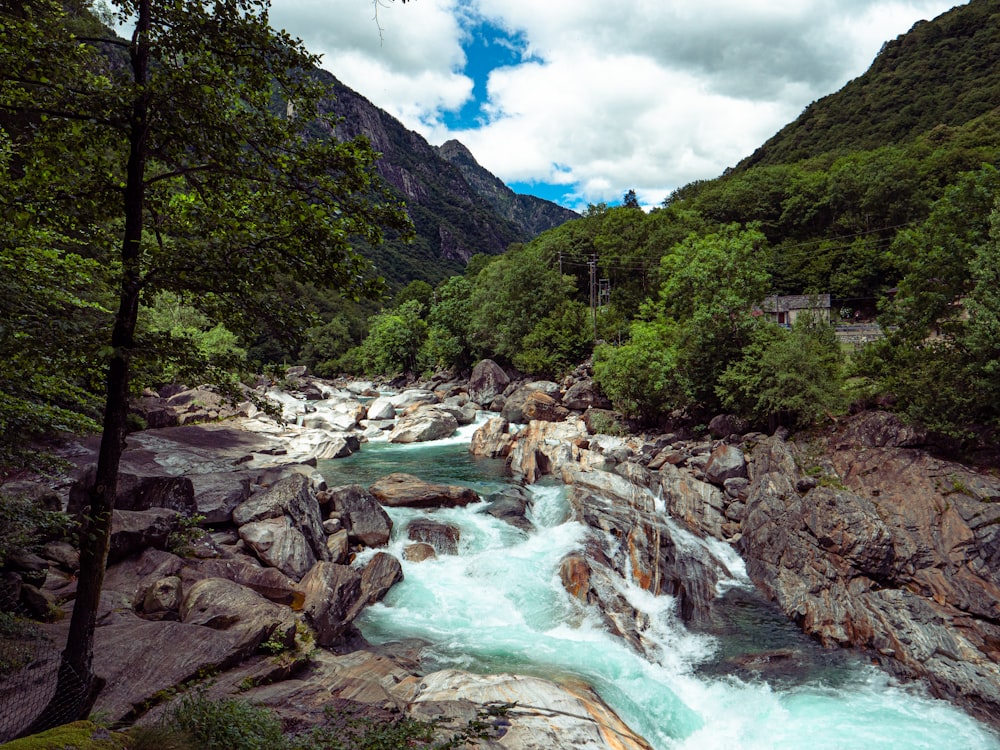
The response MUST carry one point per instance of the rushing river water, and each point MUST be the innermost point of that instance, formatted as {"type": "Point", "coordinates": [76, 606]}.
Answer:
{"type": "Point", "coordinates": [499, 606]}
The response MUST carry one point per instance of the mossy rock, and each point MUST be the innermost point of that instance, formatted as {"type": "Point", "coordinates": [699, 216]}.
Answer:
{"type": "Point", "coordinates": [80, 735]}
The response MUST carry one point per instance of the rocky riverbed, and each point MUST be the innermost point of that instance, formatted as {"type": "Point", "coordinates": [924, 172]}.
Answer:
{"type": "Point", "coordinates": [860, 537]}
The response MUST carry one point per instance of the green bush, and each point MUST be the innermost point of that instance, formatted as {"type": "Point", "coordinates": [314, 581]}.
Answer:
{"type": "Point", "coordinates": [227, 724]}
{"type": "Point", "coordinates": [24, 525]}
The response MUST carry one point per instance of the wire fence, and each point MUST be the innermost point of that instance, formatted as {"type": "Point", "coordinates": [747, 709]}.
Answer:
{"type": "Point", "coordinates": [29, 667]}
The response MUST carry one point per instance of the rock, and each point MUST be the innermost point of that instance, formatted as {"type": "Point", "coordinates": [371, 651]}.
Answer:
{"type": "Point", "coordinates": [879, 429]}
{"type": "Point", "coordinates": [405, 490]}
{"type": "Point", "coordinates": [366, 521]}
{"type": "Point", "coordinates": [381, 573]}
{"type": "Point", "coordinates": [224, 605]}
{"type": "Point", "coordinates": [339, 547]}
{"type": "Point", "coordinates": [725, 425]}
{"type": "Point", "coordinates": [134, 531]}
{"type": "Point", "coordinates": [331, 591]}
{"type": "Point", "coordinates": [427, 423]}
{"type": "Point", "coordinates": [413, 396]}
{"type": "Point", "coordinates": [513, 408]}
{"type": "Point", "coordinates": [30, 567]}
{"type": "Point", "coordinates": [583, 395]}
{"type": "Point", "coordinates": [63, 554]}
{"type": "Point", "coordinates": [725, 462]}
{"type": "Point", "coordinates": [280, 544]}
{"type": "Point", "coordinates": [270, 583]}
{"type": "Point", "coordinates": [162, 597]}
{"type": "Point", "coordinates": [442, 537]}
{"type": "Point", "coordinates": [380, 409]}
{"type": "Point", "coordinates": [488, 381]}
{"type": "Point", "coordinates": [331, 421]}
{"type": "Point", "coordinates": [736, 487]}
{"type": "Point", "coordinates": [418, 552]}
{"type": "Point", "coordinates": [540, 405]}
{"type": "Point", "coordinates": [217, 494]}
{"type": "Point", "coordinates": [574, 572]}
{"type": "Point", "coordinates": [544, 448]}
{"type": "Point", "coordinates": [511, 505]}
{"type": "Point", "coordinates": [492, 440]}
{"type": "Point", "coordinates": [293, 498]}
{"type": "Point", "coordinates": [137, 492]}
{"type": "Point", "coordinates": [544, 715]}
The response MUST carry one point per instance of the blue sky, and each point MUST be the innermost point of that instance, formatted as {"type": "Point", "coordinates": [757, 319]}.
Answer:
{"type": "Point", "coordinates": [578, 101]}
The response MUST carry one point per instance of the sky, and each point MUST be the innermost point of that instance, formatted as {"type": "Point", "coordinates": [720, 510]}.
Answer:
{"type": "Point", "coordinates": [579, 101]}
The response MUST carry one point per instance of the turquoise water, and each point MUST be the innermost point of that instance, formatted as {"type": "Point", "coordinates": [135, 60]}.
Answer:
{"type": "Point", "coordinates": [499, 606]}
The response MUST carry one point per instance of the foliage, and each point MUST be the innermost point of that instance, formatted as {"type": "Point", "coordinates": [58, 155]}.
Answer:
{"type": "Point", "coordinates": [25, 525]}
{"type": "Point", "coordinates": [227, 724]}
{"type": "Point", "coordinates": [641, 376]}
{"type": "Point", "coordinates": [509, 298]}
{"type": "Point", "coordinates": [447, 344]}
{"type": "Point", "coordinates": [791, 377]}
{"type": "Point", "coordinates": [558, 342]}
{"type": "Point", "coordinates": [710, 285]}
{"type": "Point", "coordinates": [394, 340]}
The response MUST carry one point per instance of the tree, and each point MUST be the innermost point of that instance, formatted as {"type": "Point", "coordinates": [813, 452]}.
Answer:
{"type": "Point", "coordinates": [786, 377]}
{"type": "Point", "coordinates": [710, 284]}
{"type": "Point", "coordinates": [202, 149]}
{"type": "Point", "coordinates": [394, 340]}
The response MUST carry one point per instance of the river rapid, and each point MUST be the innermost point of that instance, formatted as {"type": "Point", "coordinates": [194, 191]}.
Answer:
{"type": "Point", "coordinates": [499, 606]}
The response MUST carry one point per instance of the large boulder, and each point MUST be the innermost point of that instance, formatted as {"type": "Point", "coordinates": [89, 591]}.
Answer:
{"type": "Point", "coordinates": [217, 494]}
{"type": "Point", "coordinates": [488, 381]}
{"type": "Point", "coordinates": [381, 573]}
{"type": "Point", "coordinates": [513, 408]}
{"type": "Point", "coordinates": [492, 439]}
{"type": "Point", "coordinates": [331, 593]}
{"type": "Point", "coordinates": [511, 505]}
{"type": "Point", "coordinates": [366, 521]}
{"type": "Point", "coordinates": [583, 395]}
{"type": "Point", "coordinates": [134, 531]}
{"type": "Point", "coordinates": [405, 490]}
{"type": "Point", "coordinates": [138, 492]}
{"type": "Point", "coordinates": [380, 409]}
{"type": "Point", "coordinates": [294, 498]}
{"type": "Point", "coordinates": [725, 462]}
{"type": "Point", "coordinates": [424, 424]}
{"type": "Point", "coordinates": [443, 537]}
{"type": "Point", "coordinates": [278, 543]}
{"type": "Point", "coordinates": [541, 406]}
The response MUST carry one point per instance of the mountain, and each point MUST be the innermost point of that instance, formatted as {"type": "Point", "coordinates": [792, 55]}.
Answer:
{"type": "Point", "coordinates": [458, 208]}
{"type": "Point", "coordinates": [944, 72]}
{"type": "Point", "coordinates": [534, 214]}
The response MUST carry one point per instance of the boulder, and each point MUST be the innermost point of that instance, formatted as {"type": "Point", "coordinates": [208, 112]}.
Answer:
{"type": "Point", "coordinates": [381, 573]}
{"type": "Point", "coordinates": [224, 605]}
{"type": "Point", "coordinates": [488, 381]}
{"type": "Point", "coordinates": [424, 424]}
{"type": "Point", "coordinates": [294, 498]}
{"type": "Point", "coordinates": [511, 505]}
{"type": "Point", "coordinates": [418, 552]}
{"type": "Point", "coordinates": [723, 426]}
{"type": "Point", "coordinates": [543, 714]}
{"type": "Point", "coordinates": [443, 537]}
{"type": "Point", "coordinates": [725, 462]}
{"type": "Point", "coordinates": [513, 408]}
{"type": "Point", "coordinates": [583, 395]}
{"type": "Point", "coordinates": [381, 409]}
{"type": "Point", "coordinates": [163, 597]}
{"type": "Point", "coordinates": [366, 521]}
{"type": "Point", "coordinates": [541, 406]}
{"type": "Point", "coordinates": [412, 396]}
{"type": "Point", "coordinates": [134, 531]}
{"type": "Point", "coordinates": [280, 544]}
{"type": "Point", "coordinates": [405, 490]}
{"type": "Point", "coordinates": [331, 591]}
{"type": "Point", "coordinates": [138, 492]}
{"type": "Point", "coordinates": [327, 419]}
{"type": "Point", "coordinates": [217, 494]}
{"type": "Point", "coordinates": [492, 440]}
{"type": "Point", "coordinates": [270, 583]}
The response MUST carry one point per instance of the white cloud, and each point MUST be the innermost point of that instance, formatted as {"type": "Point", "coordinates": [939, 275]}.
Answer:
{"type": "Point", "coordinates": [644, 94]}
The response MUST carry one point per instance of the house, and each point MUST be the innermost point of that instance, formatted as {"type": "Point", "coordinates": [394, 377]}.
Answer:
{"type": "Point", "coordinates": [783, 310]}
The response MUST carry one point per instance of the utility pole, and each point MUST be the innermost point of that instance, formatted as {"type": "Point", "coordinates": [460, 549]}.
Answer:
{"type": "Point", "coordinates": [593, 291]}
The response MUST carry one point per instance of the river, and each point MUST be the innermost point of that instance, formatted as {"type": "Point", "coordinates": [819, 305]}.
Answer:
{"type": "Point", "coordinates": [499, 606]}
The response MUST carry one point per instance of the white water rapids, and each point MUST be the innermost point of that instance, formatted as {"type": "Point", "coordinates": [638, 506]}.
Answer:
{"type": "Point", "coordinates": [499, 606]}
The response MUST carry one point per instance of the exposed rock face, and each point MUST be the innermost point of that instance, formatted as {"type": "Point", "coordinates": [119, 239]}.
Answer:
{"type": "Point", "coordinates": [725, 462]}
{"type": "Point", "coordinates": [293, 499]}
{"type": "Point", "coordinates": [405, 490]}
{"type": "Point", "coordinates": [654, 552]}
{"type": "Point", "coordinates": [902, 560]}
{"type": "Point", "coordinates": [224, 605]}
{"type": "Point", "coordinates": [492, 440]}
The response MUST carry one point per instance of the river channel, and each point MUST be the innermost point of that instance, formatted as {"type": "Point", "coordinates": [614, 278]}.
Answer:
{"type": "Point", "coordinates": [499, 606]}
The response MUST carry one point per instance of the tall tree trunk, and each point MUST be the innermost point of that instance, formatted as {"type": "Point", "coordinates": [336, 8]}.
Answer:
{"type": "Point", "coordinates": [76, 686]}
